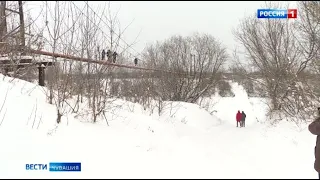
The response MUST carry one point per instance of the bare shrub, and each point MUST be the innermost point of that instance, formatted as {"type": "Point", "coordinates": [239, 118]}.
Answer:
{"type": "Point", "coordinates": [196, 61]}
{"type": "Point", "coordinates": [225, 89]}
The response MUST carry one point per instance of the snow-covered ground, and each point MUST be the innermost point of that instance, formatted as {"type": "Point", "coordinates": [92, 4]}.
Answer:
{"type": "Point", "coordinates": [186, 141]}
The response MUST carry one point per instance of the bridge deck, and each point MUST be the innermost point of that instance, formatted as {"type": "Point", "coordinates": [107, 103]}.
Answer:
{"type": "Point", "coordinates": [22, 61]}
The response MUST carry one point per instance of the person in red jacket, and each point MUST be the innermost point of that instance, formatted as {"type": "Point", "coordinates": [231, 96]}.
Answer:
{"type": "Point", "coordinates": [238, 117]}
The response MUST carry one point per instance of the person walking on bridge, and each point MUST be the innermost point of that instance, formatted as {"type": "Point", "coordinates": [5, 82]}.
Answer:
{"type": "Point", "coordinates": [135, 61]}
{"type": "Point", "coordinates": [103, 54]}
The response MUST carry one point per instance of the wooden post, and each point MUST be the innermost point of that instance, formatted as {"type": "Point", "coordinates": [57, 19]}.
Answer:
{"type": "Point", "coordinates": [3, 21]}
{"type": "Point", "coordinates": [22, 31]}
{"type": "Point", "coordinates": [6, 71]}
{"type": "Point", "coordinates": [41, 75]}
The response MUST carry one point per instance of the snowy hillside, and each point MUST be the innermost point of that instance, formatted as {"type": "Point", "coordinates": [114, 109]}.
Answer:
{"type": "Point", "coordinates": [186, 141]}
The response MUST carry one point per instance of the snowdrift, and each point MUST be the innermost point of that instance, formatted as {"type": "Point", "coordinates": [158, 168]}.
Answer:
{"type": "Point", "coordinates": [186, 141]}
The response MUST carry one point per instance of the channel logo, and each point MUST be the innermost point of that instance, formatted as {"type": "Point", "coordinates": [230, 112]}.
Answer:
{"type": "Point", "coordinates": [277, 13]}
{"type": "Point", "coordinates": [55, 166]}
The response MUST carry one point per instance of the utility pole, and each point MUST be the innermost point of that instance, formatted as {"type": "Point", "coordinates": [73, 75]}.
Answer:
{"type": "Point", "coordinates": [3, 21]}
{"type": "Point", "coordinates": [22, 30]}
{"type": "Point", "coordinates": [3, 29]}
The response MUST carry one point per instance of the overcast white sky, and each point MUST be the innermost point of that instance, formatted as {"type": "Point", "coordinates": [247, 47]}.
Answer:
{"type": "Point", "coordinates": [158, 20]}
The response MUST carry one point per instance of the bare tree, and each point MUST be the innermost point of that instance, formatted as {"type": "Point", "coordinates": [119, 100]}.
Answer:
{"type": "Point", "coordinates": [309, 28]}
{"type": "Point", "coordinates": [196, 61]}
{"type": "Point", "coordinates": [11, 43]}
{"type": "Point", "coordinates": [273, 52]}
{"type": "Point", "coordinates": [279, 59]}
{"type": "Point", "coordinates": [61, 40]}
{"type": "Point", "coordinates": [96, 78]}
{"type": "Point", "coordinates": [301, 97]}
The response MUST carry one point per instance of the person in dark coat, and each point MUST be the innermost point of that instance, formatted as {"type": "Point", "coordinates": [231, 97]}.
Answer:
{"type": "Point", "coordinates": [135, 61]}
{"type": "Point", "coordinates": [103, 54]}
{"type": "Point", "coordinates": [109, 55]}
{"type": "Point", "coordinates": [114, 57]}
{"type": "Point", "coordinates": [238, 118]}
{"type": "Point", "coordinates": [243, 119]}
{"type": "Point", "coordinates": [314, 128]}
